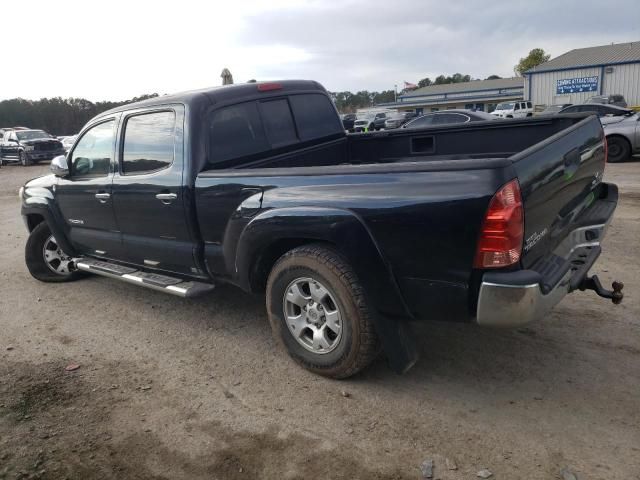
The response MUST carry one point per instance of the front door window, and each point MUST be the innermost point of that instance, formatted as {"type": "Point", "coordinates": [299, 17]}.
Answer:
{"type": "Point", "coordinates": [93, 153]}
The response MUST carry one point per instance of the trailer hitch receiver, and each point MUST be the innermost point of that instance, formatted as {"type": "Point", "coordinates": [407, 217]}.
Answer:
{"type": "Point", "coordinates": [593, 283]}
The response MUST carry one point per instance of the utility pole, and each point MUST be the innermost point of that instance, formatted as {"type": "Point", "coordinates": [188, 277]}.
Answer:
{"type": "Point", "coordinates": [395, 93]}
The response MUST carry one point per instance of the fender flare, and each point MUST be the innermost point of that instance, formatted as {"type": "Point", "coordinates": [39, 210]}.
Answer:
{"type": "Point", "coordinates": [39, 201]}
{"type": "Point", "coordinates": [348, 233]}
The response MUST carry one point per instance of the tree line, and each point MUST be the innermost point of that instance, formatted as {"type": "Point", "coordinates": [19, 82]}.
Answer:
{"type": "Point", "coordinates": [348, 102]}
{"type": "Point", "coordinates": [58, 116]}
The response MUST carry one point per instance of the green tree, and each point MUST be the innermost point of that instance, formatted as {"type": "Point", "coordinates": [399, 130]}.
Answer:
{"type": "Point", "coordinates": [535, 58]}
{"type": "Point", "coordinates": [425, 82]}
{"type": "Point", "coordinates": [493, 77]}
{"type": "Point", "coordinates": [56, 115]}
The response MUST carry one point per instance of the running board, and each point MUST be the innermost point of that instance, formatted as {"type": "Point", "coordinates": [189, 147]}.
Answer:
{"type": "Point", "coordinates": [154, 281]}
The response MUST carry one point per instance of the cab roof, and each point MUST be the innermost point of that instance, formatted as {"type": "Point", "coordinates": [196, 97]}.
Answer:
{"type": "Point", "coordinates": [212, 95]}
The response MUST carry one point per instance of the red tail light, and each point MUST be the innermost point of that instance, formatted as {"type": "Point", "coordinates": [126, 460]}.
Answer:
{"type": "Point", "coordinates": [500, 242]}
{"type": "Point", "coordinates": [267, 87]}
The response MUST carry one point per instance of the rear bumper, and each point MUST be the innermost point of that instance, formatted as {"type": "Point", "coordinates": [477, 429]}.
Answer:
{"type": "Point", "coordinates": [513, 299]}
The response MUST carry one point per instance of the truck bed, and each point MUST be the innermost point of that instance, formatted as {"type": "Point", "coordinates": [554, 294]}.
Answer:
{"type": "Point", "coordinates": [420, 196]}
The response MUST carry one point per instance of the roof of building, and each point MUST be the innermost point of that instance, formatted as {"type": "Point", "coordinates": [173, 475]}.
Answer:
{"type": "Point", "coordinates": [474, 85]}
{"type": "Point", "coordinates": [592, 56]}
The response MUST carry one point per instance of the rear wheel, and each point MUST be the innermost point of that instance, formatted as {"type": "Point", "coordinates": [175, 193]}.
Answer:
{"type": "Point", "coordinates": [618, 149]}
{"type": "Point", "coordinates": [317, 310]}
{"type": "Point", "coordinates": [45, 259]}
{"type": "Point", "coordinates": [24, 160]}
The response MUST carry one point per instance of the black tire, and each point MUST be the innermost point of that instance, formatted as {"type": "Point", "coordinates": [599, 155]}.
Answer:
{"type": "Point", "coordinates": [358, 343]}
{"type": "Point", "coordinates": [618, 149]}
{"type": "Point", "coordinates": [24, 160]}
{"type": "Point", "coordinates": [35, 259]}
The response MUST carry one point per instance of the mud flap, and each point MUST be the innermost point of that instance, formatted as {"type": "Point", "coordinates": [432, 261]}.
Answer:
{"type": "Point", "coordinates": [397, 339]}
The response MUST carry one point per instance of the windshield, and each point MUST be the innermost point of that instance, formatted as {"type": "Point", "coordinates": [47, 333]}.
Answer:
{"type": "Point", "coordinates": [553, 108]}
{"type": "Point", "coordinates": [505, 106]}
{"type": "Point", "coordinates": [32, 135]}
{"type": "Point", "coordinates": [366, 116]}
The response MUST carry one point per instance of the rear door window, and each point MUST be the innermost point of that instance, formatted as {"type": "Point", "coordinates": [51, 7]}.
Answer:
{"type": "Point", "coordinates": [421, 121]}
{"type": "Point", "coordinates": [315, 116]}
{"type": "Point", "coordinates": [148, 142]}
{"type": "Point", "coordinates": [444, 118]}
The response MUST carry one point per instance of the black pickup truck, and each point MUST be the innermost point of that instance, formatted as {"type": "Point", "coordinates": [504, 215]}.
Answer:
{"type": "Point", "coordinates": [350, 236]}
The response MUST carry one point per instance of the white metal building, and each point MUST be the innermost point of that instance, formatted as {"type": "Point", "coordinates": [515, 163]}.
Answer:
{"type": "Point", "coordinates": [475, 95]}
{"type": "Point", "coordinates": [580, 74]}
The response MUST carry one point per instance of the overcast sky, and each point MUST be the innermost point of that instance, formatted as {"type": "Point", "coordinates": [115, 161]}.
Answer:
{"type": "Point", "coordinates": [114, 50]}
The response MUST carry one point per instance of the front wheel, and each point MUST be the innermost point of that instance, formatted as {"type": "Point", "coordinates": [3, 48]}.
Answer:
{"type": "Point", "coordinates": [618, 149]}
{"type": "Point", "coordinates": [45, 259]}
{"type": "Point", "coordinates": [317, 310]}
{"type": "Point", "coordinates": [24, 160]}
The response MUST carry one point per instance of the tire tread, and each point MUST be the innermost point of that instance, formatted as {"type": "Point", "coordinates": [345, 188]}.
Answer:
{"type": "Point", "coordinates": [368, 344]}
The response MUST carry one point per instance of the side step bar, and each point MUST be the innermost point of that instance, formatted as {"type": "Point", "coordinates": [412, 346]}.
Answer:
{"type": "Point", "coordinates": [154, 281]}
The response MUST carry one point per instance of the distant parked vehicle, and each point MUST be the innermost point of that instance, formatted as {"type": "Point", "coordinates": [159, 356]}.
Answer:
{"type": "Point", "coordinates": [447, 117]}
{"type": "Point", "coordinates": [396, 120]}
{"type": "Point", "coordinates": [553, 109]}
{"type": "Point", "coordinates": [513, 110]}
{"type": "Point", "coordinates": [615, 99]}
{"type": "Point", "coordinates": [623, 136]}
{"type": "Point", "coordinates": [366, 122]}
{"type": "Point", "coordinates": [347, 121]}
{"type": "Point", "coordinates": [28, 146]}
{"type": "Point", "coordinates": [4, 131]}
{"type": "Point", "coordinates": [381, 118]}
{"type": "Point", "coordinates": [68, 142]}
{"type": "Point", "coordinates": [599, 109]}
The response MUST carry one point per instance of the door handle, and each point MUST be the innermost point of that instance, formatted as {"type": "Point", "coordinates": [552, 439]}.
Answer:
{"type": "Point", "coordinates": [166, 198]}
{"type": "Point", "coordinates": [103, 197]}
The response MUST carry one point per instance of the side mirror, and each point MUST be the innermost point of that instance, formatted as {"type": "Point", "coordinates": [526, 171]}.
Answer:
{"type": "Point", "coordinates": [13, 140]}
{"type": "Point", "coordinates": [59, 166]}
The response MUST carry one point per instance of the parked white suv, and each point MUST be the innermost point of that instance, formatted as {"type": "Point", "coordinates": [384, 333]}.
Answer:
{"type": "Point", "coordinates": [513, 110]}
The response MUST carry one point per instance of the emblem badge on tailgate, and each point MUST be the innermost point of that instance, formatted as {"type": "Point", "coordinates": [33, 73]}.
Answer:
{"type": "Point", "coordinates": [533, 239]}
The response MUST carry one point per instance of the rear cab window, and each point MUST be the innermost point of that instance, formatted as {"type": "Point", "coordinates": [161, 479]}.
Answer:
{"type": "Point", "coordinates": [257, 129]}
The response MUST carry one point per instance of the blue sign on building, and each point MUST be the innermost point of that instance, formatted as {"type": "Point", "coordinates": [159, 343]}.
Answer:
{"type": "Point", "coordinates": [577, 85]}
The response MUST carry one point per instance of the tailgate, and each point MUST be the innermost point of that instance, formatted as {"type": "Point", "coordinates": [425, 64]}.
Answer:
{"type": "Point", "coordinates": [559, 180]}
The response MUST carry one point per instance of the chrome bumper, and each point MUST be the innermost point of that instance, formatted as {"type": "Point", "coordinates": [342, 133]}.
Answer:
{"type": "Point", "coordinates": [515, 301]}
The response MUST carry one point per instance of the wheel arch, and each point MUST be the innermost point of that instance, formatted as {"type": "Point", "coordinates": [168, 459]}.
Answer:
{"type": "Point", "coordinates": [33, 220]}
{"type": "Point", "coordinates": [271, 234]}
{"type": "Point", "coordinates": [39, 210]}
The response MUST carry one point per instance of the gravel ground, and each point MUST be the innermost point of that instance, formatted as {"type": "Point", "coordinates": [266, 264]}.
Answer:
{"type": "Point", "coordinates": [171, 388]}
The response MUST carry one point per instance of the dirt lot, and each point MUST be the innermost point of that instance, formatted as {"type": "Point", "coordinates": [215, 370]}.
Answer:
{"type": "Point", "coordinates": [171, 388]}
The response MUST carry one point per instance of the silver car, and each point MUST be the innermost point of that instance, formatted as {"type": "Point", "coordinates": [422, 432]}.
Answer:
{"type": "Point", "coordinates": [623, 136]}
